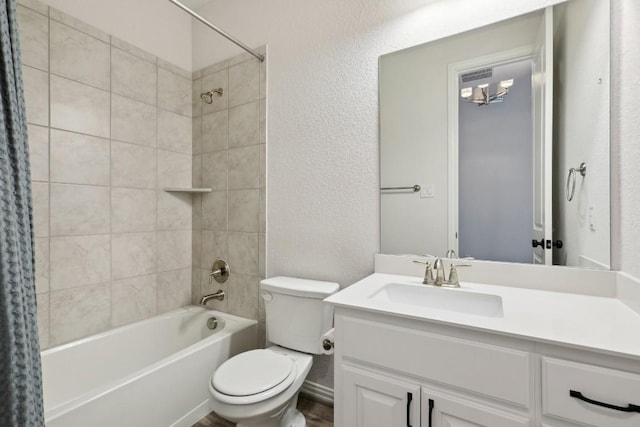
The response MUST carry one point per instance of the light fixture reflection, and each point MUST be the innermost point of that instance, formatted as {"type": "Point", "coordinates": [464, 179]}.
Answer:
{"type": "Point", "coordinates": [482, 94]}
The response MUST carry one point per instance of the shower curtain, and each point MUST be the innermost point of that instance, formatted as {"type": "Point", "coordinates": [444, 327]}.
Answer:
{"type": "Point", "coordinates": [20, 371]}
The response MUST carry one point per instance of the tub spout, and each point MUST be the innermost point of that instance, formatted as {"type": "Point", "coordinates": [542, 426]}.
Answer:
{"type": "Point", "coordinates": [219, 295]}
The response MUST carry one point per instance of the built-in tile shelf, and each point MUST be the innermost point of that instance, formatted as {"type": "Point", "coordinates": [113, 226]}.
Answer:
{"type": "Point", "coordinates": [186, 190]}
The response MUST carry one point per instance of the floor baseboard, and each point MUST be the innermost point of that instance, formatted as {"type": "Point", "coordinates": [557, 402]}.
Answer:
{"type": "Point", "coordinates": [318, 392]}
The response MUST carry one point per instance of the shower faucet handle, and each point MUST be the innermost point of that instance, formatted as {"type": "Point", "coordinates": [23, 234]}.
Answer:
{"type": "Point", "coordinates": [219, 271]}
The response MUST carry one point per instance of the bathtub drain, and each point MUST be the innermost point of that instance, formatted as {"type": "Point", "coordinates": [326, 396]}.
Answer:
{"type": "Point", "coordinates": [212, 323]}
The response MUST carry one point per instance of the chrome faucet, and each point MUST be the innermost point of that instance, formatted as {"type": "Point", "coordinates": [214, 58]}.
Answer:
{"type": "Point", "coordinates": [441, 279]}
{"type": "Point", "coordinates": [438, 266]}
{"type": "Point", "coordinates": [219, 295]}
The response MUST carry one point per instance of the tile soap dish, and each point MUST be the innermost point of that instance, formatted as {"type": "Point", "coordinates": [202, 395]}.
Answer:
{"type": "Point", "coordinates": [186, 190]}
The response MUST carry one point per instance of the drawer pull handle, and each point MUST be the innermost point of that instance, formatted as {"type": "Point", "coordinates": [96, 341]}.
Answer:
{"type": "Point", "coordinates": [629, 408]}
{"type": "Point", "coordinates": [409, 399]}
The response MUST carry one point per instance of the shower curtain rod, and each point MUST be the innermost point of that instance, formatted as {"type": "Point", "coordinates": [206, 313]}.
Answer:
{"type": "Point", "coordinates": [218, 30]}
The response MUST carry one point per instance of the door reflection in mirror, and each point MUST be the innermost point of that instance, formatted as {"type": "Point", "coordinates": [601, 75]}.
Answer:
{"type": "Point", "coordinates": [495, 170]}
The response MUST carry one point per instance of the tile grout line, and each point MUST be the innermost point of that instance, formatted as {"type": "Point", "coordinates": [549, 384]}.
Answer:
{"type": "Point", "coordinates": [86, 33]}
{"type": "Point", "coordinates": [227, 109]}
{"type": "Point", "coordinates": [49, 171]}
{"type": "Point", "coordinates": [111, 92]}
{"type": "Point", "coordinates": [111, 305]}
{"type": "Point", "coordinates": [201, 206]}
{"type": "Point", "coordinates": [258, 184]}
{"type": "Point", "coordinates": [157, 232]}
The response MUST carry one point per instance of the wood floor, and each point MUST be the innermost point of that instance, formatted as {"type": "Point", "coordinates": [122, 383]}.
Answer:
{"type": "Point", "coordinates": [316, 413]}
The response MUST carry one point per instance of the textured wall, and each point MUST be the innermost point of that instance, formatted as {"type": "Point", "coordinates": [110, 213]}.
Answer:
{"type": "Point", "coordinates": [229, 157]}
{"type": "Point", "coordinates": [322, 156]}
{"type": "Point", "coordinates": [109, 127]}
{"type": "Point", "coordinates": [143, 23]}
{"type": "Point", "coordinates": [626, 135]}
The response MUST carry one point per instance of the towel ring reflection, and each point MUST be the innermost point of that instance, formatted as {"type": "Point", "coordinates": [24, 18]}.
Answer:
{"type": "Point", "coordinates": [571, 180]}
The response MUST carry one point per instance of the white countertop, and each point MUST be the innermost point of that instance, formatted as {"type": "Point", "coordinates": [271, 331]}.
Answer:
{"type": "Point", "coordinates": [596, 323]}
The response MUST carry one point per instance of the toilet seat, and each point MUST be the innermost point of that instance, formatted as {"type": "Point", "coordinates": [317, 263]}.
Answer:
{"type": "Point", "coordinates": [252, 376]}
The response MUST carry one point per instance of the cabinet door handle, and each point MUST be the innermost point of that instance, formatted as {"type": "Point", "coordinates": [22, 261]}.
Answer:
{"type": "Point", "coordinates": [409, 399]}
{"type": "Point", "coordinates": [628, 408]}
{"type": "Point", "coordinates": [431, 403]}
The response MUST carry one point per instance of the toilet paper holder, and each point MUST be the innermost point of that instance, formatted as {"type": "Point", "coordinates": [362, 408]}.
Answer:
{"type": "Point", "coordinates": [328, 342]}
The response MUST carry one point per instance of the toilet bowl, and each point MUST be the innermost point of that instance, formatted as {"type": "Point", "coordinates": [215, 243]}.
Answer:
{"type": "Point", "coordinates": [260, 387]}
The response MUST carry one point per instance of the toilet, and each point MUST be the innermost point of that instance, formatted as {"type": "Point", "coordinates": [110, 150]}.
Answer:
{"type": "Point", "coordinates": [260, 387]}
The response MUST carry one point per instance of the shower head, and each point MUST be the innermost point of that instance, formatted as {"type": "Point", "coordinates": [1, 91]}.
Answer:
{"type": "Point", "coordinates": [208, 96]}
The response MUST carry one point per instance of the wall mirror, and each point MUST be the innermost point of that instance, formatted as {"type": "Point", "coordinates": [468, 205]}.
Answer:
{"type": "Point", "coordinates": [495, 142]}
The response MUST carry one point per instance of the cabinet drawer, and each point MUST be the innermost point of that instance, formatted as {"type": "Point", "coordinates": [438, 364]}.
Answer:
{"type": "Point", "coordinates": [608, 386]}
{"type": "Point", "coordinates": [488, 370]}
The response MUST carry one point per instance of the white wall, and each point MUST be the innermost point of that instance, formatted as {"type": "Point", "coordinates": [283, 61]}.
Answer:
{"type": "Point", "coordinates": [582, 54]}
{"type": "Point", "coordinates": [155, 26]}
{"type": "Point", "coordinates": [625, 122]}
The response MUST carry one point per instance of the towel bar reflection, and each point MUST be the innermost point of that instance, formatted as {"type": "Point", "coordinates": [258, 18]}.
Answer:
{"type": "Point", "coordinates": [414, 188]}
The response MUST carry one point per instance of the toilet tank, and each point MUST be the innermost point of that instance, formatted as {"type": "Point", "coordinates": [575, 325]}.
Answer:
{"type": "Point", "coordinates": [296, 316]}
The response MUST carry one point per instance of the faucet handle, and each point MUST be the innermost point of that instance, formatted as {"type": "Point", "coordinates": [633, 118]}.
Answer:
{"type": "Point", "coordinates": [219, 271]}
{"type": "Point", "coordinates": [428, 274]}
{"type": "Point", "coordinates": [453, 275]}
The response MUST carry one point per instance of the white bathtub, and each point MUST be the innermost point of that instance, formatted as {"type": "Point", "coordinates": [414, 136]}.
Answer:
{"type": "Point", "coordinates": [151, 373]}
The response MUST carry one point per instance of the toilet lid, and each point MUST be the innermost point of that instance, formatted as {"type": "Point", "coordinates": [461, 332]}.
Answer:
{"type": "Point", "coordinates": [252, 372]}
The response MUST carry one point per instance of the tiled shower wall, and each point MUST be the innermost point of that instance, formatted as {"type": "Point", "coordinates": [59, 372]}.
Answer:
{"type": "Point", "coordinates": [229, 157]}
{"type": "Point", "coordinates": [109, 127]}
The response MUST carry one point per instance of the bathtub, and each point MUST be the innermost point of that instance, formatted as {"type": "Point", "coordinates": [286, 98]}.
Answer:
{"type": "Point", "coordinates": [151, 373]}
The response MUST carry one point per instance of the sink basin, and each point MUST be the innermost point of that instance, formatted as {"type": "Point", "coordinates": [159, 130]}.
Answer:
{"type": "Point", "coordinates": [440, 299]}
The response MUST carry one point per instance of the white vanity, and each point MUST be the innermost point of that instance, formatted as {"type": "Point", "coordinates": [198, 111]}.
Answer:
{"type": "Point", "coordinates": [527, 356]}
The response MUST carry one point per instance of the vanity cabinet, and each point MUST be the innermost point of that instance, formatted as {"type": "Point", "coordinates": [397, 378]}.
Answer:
{"type": "Point", "coordinates": [371, 399]}
{"type": "Point", "coordinates": [393, 371]}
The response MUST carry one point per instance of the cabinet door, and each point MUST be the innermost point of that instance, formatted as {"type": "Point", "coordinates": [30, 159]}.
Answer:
{"type": "Point", "coordinates": [443, 410]}
{"type": "Point", "coordinates": [374, 400]}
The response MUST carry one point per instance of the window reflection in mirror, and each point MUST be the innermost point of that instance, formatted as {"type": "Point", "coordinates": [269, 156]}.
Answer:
{"type": "Point", "coordinates": [492, 125]}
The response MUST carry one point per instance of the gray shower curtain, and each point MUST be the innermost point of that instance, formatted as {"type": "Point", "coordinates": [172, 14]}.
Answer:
{"type": "Point", "coordinates": [20, 372]}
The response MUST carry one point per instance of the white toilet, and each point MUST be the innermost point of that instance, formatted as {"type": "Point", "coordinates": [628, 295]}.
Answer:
{"type": "Point", "coordinates": [260, 387]}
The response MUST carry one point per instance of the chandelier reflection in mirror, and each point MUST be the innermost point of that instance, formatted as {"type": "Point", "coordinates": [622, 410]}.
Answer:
{"type": "Point", "coordinates": [482, 94]}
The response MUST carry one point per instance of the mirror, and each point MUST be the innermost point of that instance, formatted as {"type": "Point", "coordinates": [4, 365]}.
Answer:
{"type": "Point", "coordinates": [495, 142]}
